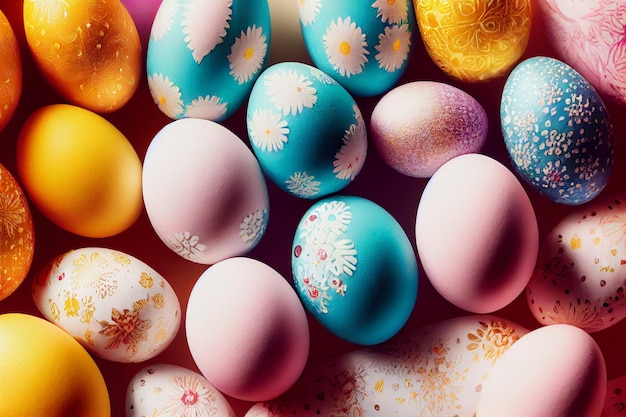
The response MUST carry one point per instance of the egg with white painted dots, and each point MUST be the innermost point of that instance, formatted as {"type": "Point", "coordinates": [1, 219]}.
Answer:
{"type": "Point", "coordinates": [203, 57]}
{"type": "Point", "coordinates": [557, 131]}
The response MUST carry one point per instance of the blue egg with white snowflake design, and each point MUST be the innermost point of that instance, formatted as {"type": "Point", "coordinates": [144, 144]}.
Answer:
{"type": "Point", "coordinates": [306, 130]}
{"type": "Point", "coordinates": [557, 131]}
{"type": "Point", "coordinates": [365, 45]}
{"type": "Point", "coordinates": [204, 56]}
{"type": "Point", "coordinates": [354, 269]}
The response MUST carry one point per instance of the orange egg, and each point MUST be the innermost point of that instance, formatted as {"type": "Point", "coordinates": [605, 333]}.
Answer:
{"type": "Point", "coordinates": [16, 234]}
{"type": "Point", "coordinates": [10, 72]}
{"type": "Point", "coordinates": [88, 50]}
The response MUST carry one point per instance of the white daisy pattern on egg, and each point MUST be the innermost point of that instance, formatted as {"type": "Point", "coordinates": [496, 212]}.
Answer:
{"type": "Point", "coordinates": [166, 95]}
{"type": "Point", "coordinates": [322, 77]}
{"type": "Point", "coordinates": [247, 54]}
{"type": "Point", "coordinates": [303, 185]}
{"type": "Point", "coordinates": [189, 396]}
{"type": "Point", "coordinates": [186, 245]}
{"type": "Point", "coordinates": [290, 92]}
{"type": "Point", "coordinates": [202, 37]}
{"type": "Point", "coordinates": [267, 131]}
{"type": "Point", "coordinates": [351, 156]}
{"type": "Point", "coordinates": [208, 107]}
{"type": "Point", "coordinates": [391, 11]}
{"type": "Point", "coordinates": [308, 10]}
{"type": "Point", "coordinates": [393, 47]}
{"type": "Point", "coordinates": [253, 227]}
{"type": "Point", "coordinates": [164, 19]}
{"type": "Point", "coordinates": [346, 47]}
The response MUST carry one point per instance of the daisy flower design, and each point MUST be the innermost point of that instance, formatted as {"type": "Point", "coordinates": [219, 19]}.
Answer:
{"type": "Point", "coordinates": [351, 156]}
{"type": "Point", "coordinates": [267, 131]}
{"type": "Point", "coordinates": [163, 19]}
{"type": "Point", "coordinates": [208, 107]}
{"type": "Point", "coordinates": [202, 38]}
{"type": "Point", "coordinates": [308, 10]}
{"type": "Point", "coordinates": [12, 214]}
{"type": "Point", "coordinates": [253, 226]}
{"type": "Point", "coordinates": [166, 95]}
{"type": "Point", "coordinates": [290, 92]}
{"type": "Point", "coordinates": [303, 185]}
{"type": "Point", "coordinates": [186, 245]}
{"type": "Point", "coordinates": [391, 11]}
{"type": "Point", "coordinates": [393, 47]}
{"type": "Point", "coordinates": [247, 54]}
{"type": "Point", "coordinates": [345, 47]}
{"type": "Point", "coordinates": [126, 328]}
{"type": "Point", "coordinates": [190, 397]}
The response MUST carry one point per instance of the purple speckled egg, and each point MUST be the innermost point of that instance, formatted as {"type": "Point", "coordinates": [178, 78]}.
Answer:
{"type": "Point", "coordinates": [418, 126]}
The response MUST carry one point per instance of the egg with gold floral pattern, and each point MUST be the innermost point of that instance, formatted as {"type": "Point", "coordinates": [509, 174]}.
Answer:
{"type": "Point", "coordinates": [10, 71]}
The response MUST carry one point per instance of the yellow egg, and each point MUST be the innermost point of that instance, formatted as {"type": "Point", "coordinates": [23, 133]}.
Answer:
{"type": "Point", "coordinates": [88, 50]}
{"type": "Point", "coordinates": [474, 40]}
{"type": "Point", "coordinates": [45, 372]}
{"type": "Point", "coordinates": [16, 234]}
{"type": "Point", "coordinates": [10, 72]}
{"type": "Point", "coordinates": [79, 170]}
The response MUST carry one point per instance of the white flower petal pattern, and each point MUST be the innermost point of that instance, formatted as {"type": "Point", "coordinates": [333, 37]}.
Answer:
{"type": "Point", "coordinates": [201, 37]}
{"type": "Point", "coordinates": [267, 131]}
{"type": "Point", "coordinates": [186, 245]}
{"type": "Point", "coordinates": [290, 92]}
{"type": "Point", "coordinates": [392, 11]}
{"type": "Point", "coordinates": [190, 397]}
{"type": "Point", "coordinates": [303, 185]}
{"type": "Point", "coordinates": [253, 227]}
{"type": "Point", "coordinates": [247, 54]}
{"type": "Point", "coordinates": [346, 47]}
{"type": "Point", "coordinates": [166, 95]}
{"type": "Point", "coordinates": [351, 156]}
{"type": "Point", "coordinates": [208, 107]}
{"type": "Point", "coordinates": [393, 47]}
{"type": "Point", "coordinates": [308, 10]}
{"type": "Point", "coordinates": [163, 20]}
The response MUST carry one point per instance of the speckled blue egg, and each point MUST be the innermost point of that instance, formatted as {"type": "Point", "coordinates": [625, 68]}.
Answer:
{"type": "Point", "coordinates": [557, 131]}
{"type": "Point", "coordinates": [354, 269]}
{"type": "Point", "coordinates": [204, 56]}
{"type": "Point", "coordinates": [306, 130]}
{"type": "Point", "coordinates": [363, 45]}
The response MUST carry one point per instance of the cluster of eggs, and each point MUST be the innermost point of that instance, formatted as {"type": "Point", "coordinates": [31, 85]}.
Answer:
{"type": "Point", "coordinates": [205, 190]}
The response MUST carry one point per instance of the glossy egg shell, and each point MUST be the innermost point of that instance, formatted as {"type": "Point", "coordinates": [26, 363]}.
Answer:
{"type": "Point", "coordinates": [10, 72]}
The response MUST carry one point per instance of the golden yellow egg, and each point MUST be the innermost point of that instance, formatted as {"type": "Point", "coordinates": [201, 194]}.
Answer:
{"type": "Point", "coordinates": [46, 373]}
{"type": "Point", "coordinates": [10, 72]}
{"type": "Point", "coordinates": [79, 170]}
{"type": "Point", "coordinates": [88, 50]}
{"type": "Point", "coordinates": [474, 40]}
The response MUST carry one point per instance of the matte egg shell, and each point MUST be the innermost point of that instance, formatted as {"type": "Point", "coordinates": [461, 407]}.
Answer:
{"type": "Point", "coordinates": [556, 371]}
{"type": "Point", "coordinates": [246, 329]}
{"type": "Point", "coordinates": [10, 71]}
{"type": "Point", "coordinates": [354, 269]}
{"type": "Point", "coordinates": [204, 192]}
{"type": "Point", "coordinates": [365, 47]}
{"type": "Point", "coordinates": [474, 40]}
{"type": "Point", "coordinates": [476, 233]}
{"type": "Point", "coordinates": [419, 126]}
{"type": "Point", "coordinates": [95, 41]}
{"type": "Point", "coordinates": [306, 130]}
{"type": "Point", "coordinates": [580, 275]}
{"type": "Point", "coordinates": [17, 235]}
{"type": "Point", "coordinates": [171, 390]}
{"type": "Point", "coordinates": [615, 399]}
{"type": "Point", "coordinates": [557, 131]}
{"type": "Point", "coordinates": [203, 57]}
{"type": "Point", "coordinates": [589, 36]}
{"type": "Point", "coordinates": [115, 305]}
{"type": "Point", "coordinates": [434, 370]}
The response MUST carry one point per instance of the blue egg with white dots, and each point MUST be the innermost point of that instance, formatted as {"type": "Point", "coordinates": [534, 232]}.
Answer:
{"type": "Point", "coordinates": [204, 56]}
{"type": "Point", "coordinates": [557, 131]}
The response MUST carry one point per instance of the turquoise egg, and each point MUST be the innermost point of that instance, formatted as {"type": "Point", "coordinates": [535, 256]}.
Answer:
{"type": "Point", "coordinates": [203, 57]}
{"type": "Point", "coordinates": [354, 269]}
{"type": "Point", "coordinates": [306, 130]}
{"type": "Point", "coordinates": [557, 131]}
{"type": "Point", "coordinates": [365, 45]}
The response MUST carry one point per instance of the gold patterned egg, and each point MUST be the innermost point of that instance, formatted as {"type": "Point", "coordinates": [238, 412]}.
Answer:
{"type": "Point", "coordinates": [10, 71]}
{"type": "Point", "coordinates": [474, 40]}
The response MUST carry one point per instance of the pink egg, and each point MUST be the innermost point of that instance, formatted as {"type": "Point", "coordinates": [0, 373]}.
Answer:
{"type": "Point", "coordinates": [615, 399]}
{"type": "Point", "coordinates": [476, 233]}
{"type": "Point", "coordinates": [247, 330]}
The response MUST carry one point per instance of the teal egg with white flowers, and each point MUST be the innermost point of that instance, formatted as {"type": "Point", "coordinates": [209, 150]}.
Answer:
{"type": "Point", "coordinates": [204, 56]}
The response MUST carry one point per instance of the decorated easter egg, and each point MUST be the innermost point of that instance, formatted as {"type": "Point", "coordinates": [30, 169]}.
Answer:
{"type": "Point", "coordinates": [204, 192]}
{"type": "Point", "coordinates": [115, 305]}
{"type": "Point", "coordinates": [366, 47]}
{"type": "Point", "coordinates": [557, 131]}
{"type": "Point", "coordinates": [556, 371]}
{"type": "Point", "coordinates": [580, 276]}
{"type": "Point", "coordinates": [474, 40]}
{"type": "Point", "coordinates": [435, 370]}
{"type": "Point", "coordinates": [17, 236]}
{"type": "Point", "coordinates": [476, 233]}
{"type": "Point", "coordinates": [95, 41]}
{"type": "Point", "coordinates": [589, 36]}
{"type": "Point", "coordinates": [40, 361]}
{"type": "Point", "coordinates": [203, 57]}
{"type": "Point", "coordinates": [79, 170]}
{"type": "Point", "coordinates": [171, 390]}
{"type": "Point", "coordinates": [419, 126]}
{"type": "Point", "coordinates": [615, 399]}
{"type": "Point", "coordinates": [10, 71]}
{"type": "Point", "coordinates": [354, 269]}
{"type": "Point", "coordinates": [246, 329]}
{"type": "Point", "coordinates": [306, 130]}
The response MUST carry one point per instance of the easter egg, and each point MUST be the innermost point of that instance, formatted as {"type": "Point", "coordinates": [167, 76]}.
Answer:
{"type": "Point", "coordinates": [246, 329]}
{"type": "Point", "coordinates": [556, 371]}
{"type": "Point", "coordinates": [95, 41]}
{"type": "Point", "coordinates": [204, 192]}
{"type": "Point", "coordinates": [615, 399]}
{"type": "Point", "coordinates": [45, 372]}
{"type": "Point", "coordinates": [10, 72]}
{"type": "Point", "coordinates": [115, 305]}
{"type": "Point", "coordinates": [203, 57]}
{"type": "Point", "coordinates": [79, 170]}
{"type": "Point", "coordinates": [418, 126]}
{"type": "Point", "coordinates": [476, 233]}
{"type": "Point", "coordinates": [365, 47]}
{"type": "Point", "coordinates": [306, 130]}
{"type": "Point", "coordinates": [354, 269]}
{"type": "Point", "coordinates": [474, 40]}
{"type": "Point", "coordinates": [580, 275]}
{"type": "Point", "coordinates": [17, 236]}
{"type": "Point", "coordinates": [557, 131]}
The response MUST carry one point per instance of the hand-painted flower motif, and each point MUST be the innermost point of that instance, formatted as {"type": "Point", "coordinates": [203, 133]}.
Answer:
{"type": "Point", "coordinates": [308, 11]}
{"type": "Point", "coordinates": [126, 328]}
{"type": "Point", "coordinates": [493, 338]}
{"type": "Point", "coordinates": [345, 46]}
{"type": "Point", "coordinates": [166, 95]}
{"type": "Point", "coordinates": [247, 54]}
{"type": "Point", "coordinates": [302, 185]}
{"type": "Point", "coordinates": [351, 156]}
{"type": "Point", "coordinates": [290, 92]}
{"type": "Point", "coordinates": [93, 271]}
{"type": "Point", "coordinates": [189, 397]}
{"type": "Point", "coordinates": [12, 214]}
{"type": "Point", "coordinates": [145, 280]}
{"type": "Point", "coordinates": [207, 107]}
{"type": "Point", "coordinates": [268, 131]}
{"type": "Point", "coordinates": [394, 45]}
{"type": "Point", "coordinates": [201, 37]}
{"type": "Point", "coordinates": [614, 228]}
{"type": "Point", "coordinates": [253, 227]}
{"type": "Point", "coordinates": [186, 245]}
{"type": "Point", "coordinates": [163, 20]}
{"type": "Point", "coordinates": [576, 313]}
{"type": "Point", "coordinates": [392, 11]}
